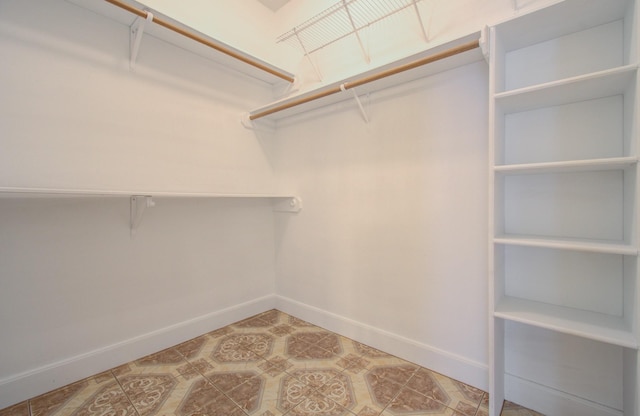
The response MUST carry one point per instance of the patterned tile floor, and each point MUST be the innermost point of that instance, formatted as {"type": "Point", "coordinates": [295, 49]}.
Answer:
{"type": "Point", "coordinates": [271, 364]}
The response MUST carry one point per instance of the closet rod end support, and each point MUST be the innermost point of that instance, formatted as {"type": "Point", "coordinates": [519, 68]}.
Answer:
{"type": "Point", "coordinates": [264, 125]}
{"type": "Point", "coordinates": [292, 204]}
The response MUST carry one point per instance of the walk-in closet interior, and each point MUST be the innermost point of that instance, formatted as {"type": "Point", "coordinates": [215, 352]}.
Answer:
{"type": "Point", "coordinates": [443, 187]}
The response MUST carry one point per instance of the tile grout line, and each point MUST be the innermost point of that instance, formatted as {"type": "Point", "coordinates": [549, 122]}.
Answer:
{"type": "Point", "coordinates": [124, 392]}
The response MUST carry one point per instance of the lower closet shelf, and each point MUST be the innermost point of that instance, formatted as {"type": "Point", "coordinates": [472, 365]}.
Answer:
{"type": "Point", "coordinates": [281, 202]}
{"type": "Point", "coordinates": [586, 324]}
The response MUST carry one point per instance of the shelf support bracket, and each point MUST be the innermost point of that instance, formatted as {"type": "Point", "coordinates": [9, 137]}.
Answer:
{"type": "Point", "coordinates": [355, 97]}
{"type": "Point", "coordinates": [135, 38]}
{"type": "Point", "coordinates": [137, 205]}
{"type": "Point", "coordinates": [306, 54]}
{"type": "Point", "coordinates": [355, 31]}
{"type": "Point", "coordinates": [424, 32]}
{"type": "Point", "coordinates": [484, 43]}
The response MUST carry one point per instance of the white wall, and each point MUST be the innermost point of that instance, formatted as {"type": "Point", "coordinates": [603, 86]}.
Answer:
{"type": "Point", "coordinates": [391, 244]}
{"type": "Point", "coordinates": [172, 124]}
{"type": "Point", "coordinates": [77, 295]}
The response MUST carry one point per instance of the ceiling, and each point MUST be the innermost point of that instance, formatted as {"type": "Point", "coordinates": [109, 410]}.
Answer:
{"type": "Point", "coordinates": [274, 4]}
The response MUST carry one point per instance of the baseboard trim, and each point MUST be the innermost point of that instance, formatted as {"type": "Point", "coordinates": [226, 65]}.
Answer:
{"type": "Point", "coordinates": [551, 402]}
{"type": "Point", "coordinates": [452, 365]}
{"type": "Point", "coordinates": [28, 384]}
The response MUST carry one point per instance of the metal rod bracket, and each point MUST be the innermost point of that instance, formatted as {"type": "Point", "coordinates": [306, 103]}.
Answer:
{"type": "Point", "coordinates": [483, 43]}
{"type": "Point", "coordinates": [135, 38]}
{"type": "Point", "coordinates": [293, 205]}
{"type": "Point", "coordinates": [343, 87]}
{"type": "Point", "coordinates": [264, 125]}
{"type": "Point", "coordinates": [137, 205]}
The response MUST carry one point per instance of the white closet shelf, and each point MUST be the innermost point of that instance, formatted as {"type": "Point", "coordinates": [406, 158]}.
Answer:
{"type": "Point", "coordinates": [570, 90]}
{"type": "Point", "coordinates": [559, 20]}
{"type": "Point", "coordinates": [103, 8]}
{"type": "Point", "coordinates": [99, 192]}
{"type": "Point", "coordinates": [325, 97]}
{"type": "Point", "coordinates": [615, 163]}
{"type": "Point", "coordinates": [594, 246]}
{"type": "Point", "coordinates": [586, 324]}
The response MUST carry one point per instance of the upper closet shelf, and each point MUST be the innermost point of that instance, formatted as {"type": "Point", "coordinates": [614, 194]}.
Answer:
{"type": "Point", "coordinates": [441, 58]}
{"type": "Point", "coordinates": [559, 20]}
{"type": "Point", "coordinates": [345, 18]}
{"type": "Point", "coordinates": [131, 13]}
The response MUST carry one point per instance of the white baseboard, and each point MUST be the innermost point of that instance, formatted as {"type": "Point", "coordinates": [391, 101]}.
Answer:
{"type": "Point", "coordinates": [451, 365]}
{"type": "Point", "coordinates": [28, 384]}
{"type": "Point", "coordinates": [551, 402]}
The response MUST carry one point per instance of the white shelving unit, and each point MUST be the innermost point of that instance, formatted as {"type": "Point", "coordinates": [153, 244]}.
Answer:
{"type": "Point", "coordinates": [564, 205]}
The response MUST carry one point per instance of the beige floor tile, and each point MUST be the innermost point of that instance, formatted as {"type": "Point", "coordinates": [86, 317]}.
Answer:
{"type": "Point", "coordinates": [270, 364]}
{"type": "Point", "coordinates": [512, 409]}
{"type": "Point", "coordinates": [68, 399]}
{"type": "Point", "coordinates": [104, 398]}
{"type": "Point", "coordinates": [20, 409]}
{"type": "Point", "coordinates": [444, 412]}
{"type": "Point", "coordinates": [365, 404]}
{"type": "Point", "coordinates": [456, 395]}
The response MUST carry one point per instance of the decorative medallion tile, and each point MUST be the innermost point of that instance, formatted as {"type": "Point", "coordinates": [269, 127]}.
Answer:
{"type": "Point", "coordinates": [110, 399]}
{"type": "Point", "coordinates": [148, 392]}
{"type": "Point", "coordinates": [235, 347]}
{"type": "Point", "coordinates": [314, 378]}
{"type": "Point", "coordinates": [292, 392]}
{"type": "Point", "coordinates": [339, 390]}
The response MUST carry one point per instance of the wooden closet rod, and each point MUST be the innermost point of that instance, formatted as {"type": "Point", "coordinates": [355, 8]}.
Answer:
{"type": "Point", "coordinates": [370, 78]}
{"type": "Point", "coordinates": [206, 42]}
